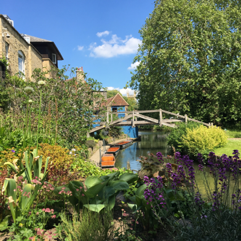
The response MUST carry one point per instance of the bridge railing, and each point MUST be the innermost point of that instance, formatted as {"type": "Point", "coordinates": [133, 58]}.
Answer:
{"type": "Point", "coordinates": [109, 116]}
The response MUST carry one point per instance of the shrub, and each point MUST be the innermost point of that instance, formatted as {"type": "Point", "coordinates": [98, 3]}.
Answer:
{"type": "Point", "coordinates": [203, 139]}
{"type": "Point", "coordinates": [90, 143]}
{"type": "Point", "coordinates": [59, 157]}
{"type": "Point", "coordinates": [81, 228]}
{"type": "Point", "coordinates": [175, 137]}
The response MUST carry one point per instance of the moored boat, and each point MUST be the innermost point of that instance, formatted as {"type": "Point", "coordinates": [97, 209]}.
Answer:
{"type": "Point", "coordinates": [123, 144]}
{"type": "Point", "coordinates": [113, 150]}
{"type": "Point", "coordinates": [107, 160]}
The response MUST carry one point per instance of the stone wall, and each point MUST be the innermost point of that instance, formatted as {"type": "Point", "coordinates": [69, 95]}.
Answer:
{"type": "Point", "coordinates": [33, 58]}
{"type": "Point", "coordinates": [48, 65]}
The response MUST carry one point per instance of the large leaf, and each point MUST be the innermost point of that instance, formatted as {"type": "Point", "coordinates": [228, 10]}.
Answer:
{"type": "Point", "coordinates": [141, 189]}
{"type": "Point", "coordinates": [119, 185]}
{"type": "Point", "coordinates": [28, 171]}
{"type": "Point", "coordinates": [111, 202]}
{"type": "Point", "coordinates": [25, 199]}
{"type": "Point", "coordinates": [132, 206]}
{"type": "Point", "coordinates": [94, 190]}
{"type": "Point", "coordinates": [107, 192]}
{"type": "Point", "coordinates": [92, 181]}
{"type": "Point", "coordinates": [129, 177]}
{"type": "Point", "coordinates": [11, 166]}
{"type": "Point", "coordinates": [4, 223]}
{"type": "Point", "coordinates": [94, 207]}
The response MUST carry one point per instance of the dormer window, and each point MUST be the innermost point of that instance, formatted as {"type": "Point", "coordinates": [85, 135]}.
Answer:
{"type": "Point", "coordinates": [54, 58]}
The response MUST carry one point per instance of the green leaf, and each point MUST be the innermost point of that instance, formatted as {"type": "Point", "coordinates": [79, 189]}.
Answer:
{"type": "Point", "coordinates": [4, 223]}
{"type": "Point", "coordinates": [94, 207]}
{"type": "Point", "coordinates": [129, 177]}
{"type": "Point", "coordinates": [92, 181]}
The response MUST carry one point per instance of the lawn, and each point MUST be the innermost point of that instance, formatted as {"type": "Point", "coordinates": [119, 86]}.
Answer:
{"type": "Point", "coordinates": [228, 149]}
{"type": "Point", "coordinates": [233, 133]}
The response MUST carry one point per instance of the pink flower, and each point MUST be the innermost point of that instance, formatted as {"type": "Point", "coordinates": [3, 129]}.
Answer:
{"type": "Point", "coordinates": [137, 222]}
{"type": "Point", "coordinates": [29, 213]}
{"type": "Point", "coordinates": [47, 210]}
{"type": "Point", "coordinates": [54, 216]}
{"type": "Point", "coordinates": [37, 213]}
{"type": "Point", "coordinates": [43, 209]}
{"type": "Point", "coordinates": [77, 189]}
{"type": "Point", "coordinates": [125, 214]}
{"type": "Point", "coordinates": [83, 194]}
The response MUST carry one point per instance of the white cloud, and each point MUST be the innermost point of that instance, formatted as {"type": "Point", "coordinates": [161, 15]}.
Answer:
{"type": "Point", "coordinates": [80, 48]}
{"type": "Point", "coordinates": [115, 46]}
{"type": "Point", "coordinates": [123, 91]}
{"type": "Point", "coordinates": [100, 34]}
{"type": "Point", "coordinates": [133, 66]}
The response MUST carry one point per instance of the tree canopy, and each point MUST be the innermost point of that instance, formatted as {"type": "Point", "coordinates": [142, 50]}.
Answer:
{"type": "Point", "coordinates": [190, 59]}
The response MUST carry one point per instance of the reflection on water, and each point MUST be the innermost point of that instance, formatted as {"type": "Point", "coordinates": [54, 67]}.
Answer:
{"type": "Point", "coordinates": [153, 142]}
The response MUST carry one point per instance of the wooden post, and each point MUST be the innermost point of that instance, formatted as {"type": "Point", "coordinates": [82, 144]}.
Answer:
{"type": "Point", "coordinates": [160, 117]}
{"type": "Point", "coordinates": [211, 124]}
{"type": "Point", "coordinates": [133, 121]}
{"type": "Point", "coordinates": [185, 118]}
{"type": "Point", "coordinates": [111, 117]}
{"type": "Point", "coordinates": [128, 165]}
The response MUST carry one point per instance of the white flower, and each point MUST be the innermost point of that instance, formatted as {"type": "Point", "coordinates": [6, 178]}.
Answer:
{"type": "Point", "coordinates": [41, 82]}
{"type": "Point", "coordinates": [70, 152]}
{"type": "Point", "coordinates": [28, 90]}
{"type": "Point", "coordinates": [73, 149]}
{"type": "Point", "coordinates": [30, 101]}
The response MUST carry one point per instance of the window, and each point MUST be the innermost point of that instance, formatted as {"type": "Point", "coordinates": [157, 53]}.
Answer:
{"type": "Point", "coordinates": [54, 58]}
{"type": "Point", "coordinates": [21, 63]}
{"type": "Point", "coordinates": [6, 49]}
{"type": "Point", "coordinates": [114, 109]}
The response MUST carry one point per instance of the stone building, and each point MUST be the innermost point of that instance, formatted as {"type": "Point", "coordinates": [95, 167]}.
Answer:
{"type": "Point", "coordinates": [24, 53]}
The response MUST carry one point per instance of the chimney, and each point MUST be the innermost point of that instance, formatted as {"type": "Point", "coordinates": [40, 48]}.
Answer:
{"type": "Point", "coordinates": [9, 19]}
{"type": "Point", "coordinates": [80, 75]}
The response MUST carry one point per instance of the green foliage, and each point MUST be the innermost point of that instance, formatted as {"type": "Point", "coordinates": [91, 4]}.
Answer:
{"type": "Point", "coordinates": [85, 168]}
{"type": "Point", "coordinates": [60, 109]}
{"type": "Point", "coordinates": [32, 224]}
{"type": "Point", "coordinates": [90, 143]}
{"type": "Point", "coordinates": [100, 191]}
{"type": "Point", "coordinates": [189, 60]}
{"type": "Point", "coordinates": [20, 199]}
{"type": "Point", "coordinates": [143, 209]}
{"type": "Point", "coordinates": [203, 139]}
{"type": "Point", "coordinates": [87, 226]}
{"type": "Point", "coordinates": [175, 137]}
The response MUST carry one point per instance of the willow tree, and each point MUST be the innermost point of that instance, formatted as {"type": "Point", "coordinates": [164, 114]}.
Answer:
{"type": "Point", "coordinates": [190, 59]}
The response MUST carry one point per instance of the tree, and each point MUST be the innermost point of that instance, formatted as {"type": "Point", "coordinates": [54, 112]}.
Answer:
{"type": "Point", "coordinates": [190, 59]}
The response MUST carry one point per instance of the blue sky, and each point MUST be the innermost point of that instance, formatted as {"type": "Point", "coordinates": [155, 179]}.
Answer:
{"type": "Point", "coordinates": [100, 35]}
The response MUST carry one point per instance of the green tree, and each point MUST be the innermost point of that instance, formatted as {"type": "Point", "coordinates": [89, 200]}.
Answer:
{"type": "Point", "coordinates": [190, 59]}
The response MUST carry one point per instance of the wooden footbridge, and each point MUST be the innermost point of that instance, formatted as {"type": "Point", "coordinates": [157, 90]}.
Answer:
{"type": "Point", "coordinates": [132, 118]}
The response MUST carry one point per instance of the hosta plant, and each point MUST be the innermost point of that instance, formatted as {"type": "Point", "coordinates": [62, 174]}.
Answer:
{"type": "Point", "coordinates": [100, 192]}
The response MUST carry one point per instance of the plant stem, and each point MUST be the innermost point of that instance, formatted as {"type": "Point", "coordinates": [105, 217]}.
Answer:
{"type": "Point", "coordinates": [39, 117]}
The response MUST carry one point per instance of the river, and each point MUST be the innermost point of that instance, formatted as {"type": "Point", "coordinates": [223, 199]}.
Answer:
{"type": "Point", "coordinates": [153, 142]}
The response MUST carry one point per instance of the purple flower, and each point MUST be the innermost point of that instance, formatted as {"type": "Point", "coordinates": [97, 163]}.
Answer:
{"type": "Point", "coordinates": [13, 151]}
